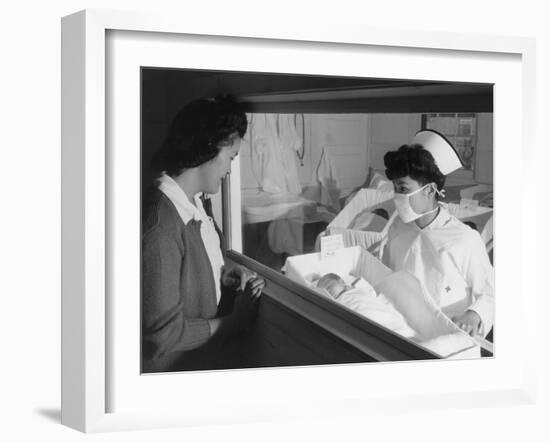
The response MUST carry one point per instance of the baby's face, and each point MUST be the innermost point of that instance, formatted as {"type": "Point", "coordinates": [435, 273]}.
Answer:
{"type": "Point", "coordinates": [333, 284]}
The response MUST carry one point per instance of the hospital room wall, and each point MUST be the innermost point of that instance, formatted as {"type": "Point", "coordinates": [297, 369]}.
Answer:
{"type": "Point", "coordinates": [388, 132]}
{"type": "Point", "coordinates": [355, 142]}
{"type": "Point", "coordinates": [344, 138]}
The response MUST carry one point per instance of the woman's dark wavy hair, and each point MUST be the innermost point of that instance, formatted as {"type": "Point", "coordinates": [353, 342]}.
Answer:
{"type": "Point", "coordinates": [416, 162]}
{"type": "Point", "coordinates": [196, 132]}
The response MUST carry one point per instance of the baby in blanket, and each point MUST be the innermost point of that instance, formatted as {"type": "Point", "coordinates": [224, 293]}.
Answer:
{"type": "Point", "coordinates": [361, 297]}
{"type": "Point", "coordinates": [332, 284]}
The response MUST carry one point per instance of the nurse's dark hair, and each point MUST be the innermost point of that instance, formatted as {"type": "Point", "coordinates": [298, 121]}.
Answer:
{"type": "Point", "coordinates": [196, 133]}
{"type": "Point", "coordinates": [414, 161]}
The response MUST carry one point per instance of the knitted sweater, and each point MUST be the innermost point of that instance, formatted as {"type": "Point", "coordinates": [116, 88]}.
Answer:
{"type": "Point", "coordinates": [178, 291]}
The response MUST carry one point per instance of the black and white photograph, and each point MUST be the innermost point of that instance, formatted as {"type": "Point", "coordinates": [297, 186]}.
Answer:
{"type": "Point", "coordinates": [296, 220]}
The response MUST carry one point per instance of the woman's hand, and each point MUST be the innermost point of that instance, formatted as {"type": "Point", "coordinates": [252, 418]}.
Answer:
{"type": "Point", "coordinates": [470, 322]}
{"type": "Point", "coordinates": [245, 307]}
{"type": "Point", "coordinates": [237, 277]}
{"type": "Point", "coordinates": [256, 286]}
{"type": "Point", "coordinates": [244, 310]}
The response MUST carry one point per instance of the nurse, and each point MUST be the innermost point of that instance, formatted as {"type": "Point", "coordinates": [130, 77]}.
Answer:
{"type": "Point", "coordinates": [448, 257]}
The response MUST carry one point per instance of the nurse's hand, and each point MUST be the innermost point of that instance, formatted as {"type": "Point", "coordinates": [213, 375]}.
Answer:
{"type": "Point", "coordinates": [470, 322]}
{"type": "Point", "coordinates": [237, 277]}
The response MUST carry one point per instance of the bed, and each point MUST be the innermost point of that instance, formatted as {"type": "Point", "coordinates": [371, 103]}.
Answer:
{"type": "Point", "coordinates": [258, 206]}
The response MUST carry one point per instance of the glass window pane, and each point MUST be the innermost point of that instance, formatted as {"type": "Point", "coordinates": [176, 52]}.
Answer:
{"type": "Point", "coordinates": [298, 171]}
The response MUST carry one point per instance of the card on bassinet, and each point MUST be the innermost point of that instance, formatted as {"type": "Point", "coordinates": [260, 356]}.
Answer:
{"type": "Point", "coordinates": [331, 243]}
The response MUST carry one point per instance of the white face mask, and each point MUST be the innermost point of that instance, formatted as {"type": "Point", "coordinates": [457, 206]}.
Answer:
{"type": "Point", "coordinates": [403, 206]}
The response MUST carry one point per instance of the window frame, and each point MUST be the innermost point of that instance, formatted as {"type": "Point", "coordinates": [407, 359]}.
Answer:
{"type": "Point", "coordinates": [85, 301]}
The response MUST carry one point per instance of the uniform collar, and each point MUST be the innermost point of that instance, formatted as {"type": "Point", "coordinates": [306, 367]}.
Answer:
{"type": "Point", "coordinates": [178, 197]}
{"type": "Point", "coordinates": [441, 219]}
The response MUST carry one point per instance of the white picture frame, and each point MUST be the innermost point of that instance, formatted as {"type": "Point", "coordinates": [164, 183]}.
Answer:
{"type": "Point", "coordinates": [86, 207]}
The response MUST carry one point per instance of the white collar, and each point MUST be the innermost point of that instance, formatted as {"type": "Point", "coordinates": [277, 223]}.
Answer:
{"type": "Point", "coordinates": [441, 219]}
{"type": "Point", "coordinates": [175, 193]}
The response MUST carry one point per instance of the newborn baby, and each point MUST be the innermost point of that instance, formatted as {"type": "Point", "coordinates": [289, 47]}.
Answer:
{"type": "Point", "coordinates": [333, 285]}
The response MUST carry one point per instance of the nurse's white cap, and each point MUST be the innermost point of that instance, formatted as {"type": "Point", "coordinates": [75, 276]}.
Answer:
{"type": "Point", "coordinates": [445, 156]}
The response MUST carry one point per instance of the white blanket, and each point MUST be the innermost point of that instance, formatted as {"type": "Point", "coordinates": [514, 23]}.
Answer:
{"type": "Point", "coordinates": [434, 330]}
{"type": "Point", "coordinates": [426, 324]}
{"type": "Point", "coordinates": [363, 299]}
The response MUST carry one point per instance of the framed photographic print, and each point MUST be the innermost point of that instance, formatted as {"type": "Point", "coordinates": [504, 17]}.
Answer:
{"type": "Point", "coordinates": [303, 193]}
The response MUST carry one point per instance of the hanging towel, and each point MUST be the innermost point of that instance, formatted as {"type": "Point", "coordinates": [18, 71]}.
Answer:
{"type": "Point", "coordinates": [267, 154]}
{"type": "Point", "coordinates": [327, 180]}
{"type": "Point", "coordinates": [288, 133]}
{"type": "Point", "coordinates": [291, 143]}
